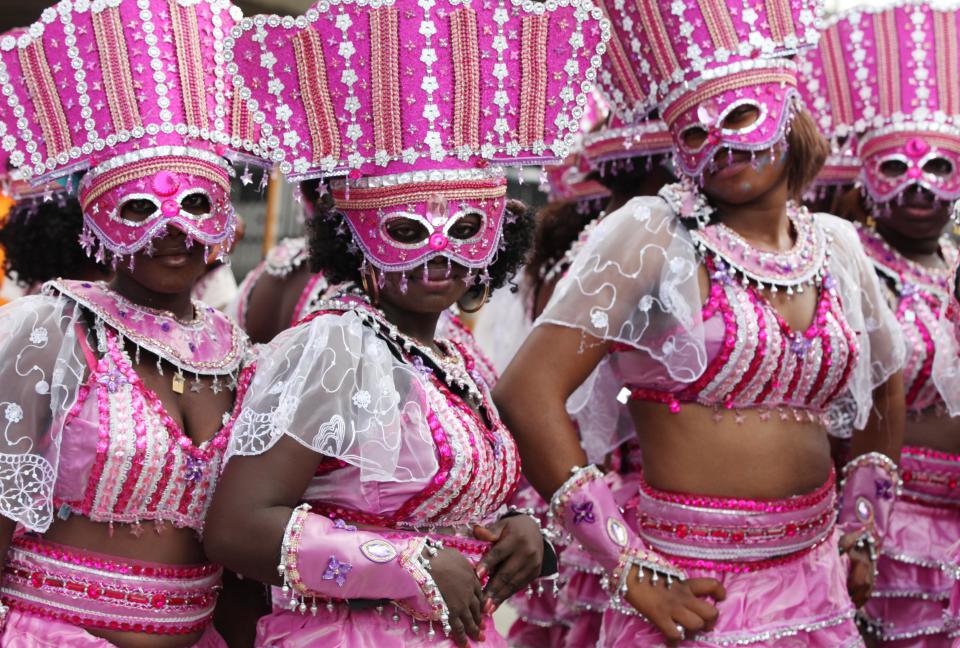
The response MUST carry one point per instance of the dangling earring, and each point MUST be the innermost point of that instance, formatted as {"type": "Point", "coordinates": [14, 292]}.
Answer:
{"type": "Point", "coordinates": [371, 289]}
{"type": "Point", "coordinates": [871, 222]}
{"type": "Point", "coordinates": [480, 304]}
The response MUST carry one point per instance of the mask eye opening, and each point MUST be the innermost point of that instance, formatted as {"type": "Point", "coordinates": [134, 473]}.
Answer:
{"type": "Point", "coordinates": [938, 166]}
{"type": "Point", "coordinates": [893, 169]}
{"type": "Point", "coordinates": [466, 226]}
{"type": "Point", "coordinates": [138, 209]}
{"type": "Point", "coordinates": [196, 203]}
{"type": "Point", "coordinates": [694, 137]}
{"type": "Point", "coordinates": [404, 230]}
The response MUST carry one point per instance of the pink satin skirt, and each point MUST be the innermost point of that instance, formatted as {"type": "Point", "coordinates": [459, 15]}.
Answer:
{"type": "Point", "coordinates": [910, 600]}
{"type": "Point", "coordinates": [777, 559]}
{"type": "Point", "coordinates": [25, 630]}
{"type": "Point", "coordinates": [343, 627]}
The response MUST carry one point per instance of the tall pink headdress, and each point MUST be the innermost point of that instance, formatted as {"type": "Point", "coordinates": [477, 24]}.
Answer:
{"type": "Point", "coordinates": [696, 61]}
{"type": "Point", "coordinates": [629, 132]}
{"type": "Point", "coordinates": [419, 103]}
{"type": "Point", "coordinates": [889, 77]}
{"type": "Point", "coordinates": [134, 93]}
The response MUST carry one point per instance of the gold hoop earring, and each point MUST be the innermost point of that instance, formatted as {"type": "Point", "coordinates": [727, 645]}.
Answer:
{"type": "Point", "coordinates": [483, 301]}
{"type": "Point", "coordinates": [372, 290]}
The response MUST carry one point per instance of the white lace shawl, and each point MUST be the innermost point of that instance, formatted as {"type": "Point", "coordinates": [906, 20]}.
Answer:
{"type": "Point", "coordinates": [335, 387]}
{"type": "Point", "coordinates": [635, 282]}
{"type": "Point", "coordinates": [41, 369]}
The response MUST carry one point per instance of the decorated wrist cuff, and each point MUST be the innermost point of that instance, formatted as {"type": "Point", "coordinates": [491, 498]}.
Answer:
{"type": "Point", "coordinates": [323, 560]}
{"type": "Point", "coordinates": [869, 487]}
{"type": "Point", "coordinates": [586, 509]}
{"type": "Point", "coordinates": [416, 561]}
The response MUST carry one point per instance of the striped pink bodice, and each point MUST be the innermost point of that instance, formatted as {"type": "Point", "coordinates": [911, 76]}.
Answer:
{"type": "Point", "coordinates": [478, 464]}
{"type": "Point", "coordinates": [755, 359]}
{"type": "Point", "coordinates": [917, 295]}
{"type": "Point", "coordinates": [125, 460]}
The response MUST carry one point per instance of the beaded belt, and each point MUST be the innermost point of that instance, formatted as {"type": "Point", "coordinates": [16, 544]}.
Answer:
{"type": "Point", "coordinates": [734, 535]}
{"type": "Point", "coordinates": [930, 477]}
{"type": "Point", "coordinates": [106, 592]}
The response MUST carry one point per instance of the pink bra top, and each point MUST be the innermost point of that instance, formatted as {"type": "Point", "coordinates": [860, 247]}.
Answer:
{"type": "Point", "coordinates": [754, 358]}
{"type": "Point", "coordinates": [478, 466]}
{"type": "Point", "coordinates": [123, 459]}
{"type": "Point", "coordinates": [917, 295]}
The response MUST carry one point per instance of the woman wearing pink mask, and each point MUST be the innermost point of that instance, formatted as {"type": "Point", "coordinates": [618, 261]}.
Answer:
{"type": "Point", "coordinates": [727, 319]}
{"type": "Point", "coordinates": [368, 457]}
{"type": "Point", "coordinates": [117, 399]}
{"type": "Point", "coordinates": [906, 122]}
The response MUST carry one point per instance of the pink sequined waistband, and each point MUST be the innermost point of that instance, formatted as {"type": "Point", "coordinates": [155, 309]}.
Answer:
{"type": "Point", "coordinates": [97, 591]}
{"type": "Point", "coordinates": [702, 531]}
{"type": "Point", "coordinates": [930, 477]}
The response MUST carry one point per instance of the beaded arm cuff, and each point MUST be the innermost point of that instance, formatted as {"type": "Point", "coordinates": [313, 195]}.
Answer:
{"type": "Point", "coordinates": [869, 487]}
{"type": "Point", "coordinates": [323, 560]}
{"type": "Point", "coordinates": [586, 509]}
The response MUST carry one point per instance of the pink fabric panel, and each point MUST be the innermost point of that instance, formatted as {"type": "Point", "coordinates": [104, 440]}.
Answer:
{"type": "Point", "coordinates": [24, 630]}
{"type": "Point", "coordinates": [807, 592]}
{"type": "Point", "coordinates": [345, 628]}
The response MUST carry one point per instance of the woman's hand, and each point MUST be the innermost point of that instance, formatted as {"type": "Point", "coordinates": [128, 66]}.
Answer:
{"type": "Point", "coordinates": [514, 560]}
{"type": "Point", "coordinates": [461, 591]}
{"type": "Point", "coordinates": [860, 577]}
{"type": "Point", "coordinates": [678, 611]}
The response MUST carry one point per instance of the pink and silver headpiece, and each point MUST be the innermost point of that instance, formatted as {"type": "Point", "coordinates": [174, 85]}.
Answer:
{"type": "Point", "coordinates": [573, 180]}
{"type": "Point", "coordinates": [135, 93]}
{"type": "Point", "coordinates": [889, 77]}
{"type": "Point", "coordinates": [623, 82]}
{"type": "Point", "coordinates": [698, 61]}
{"type": "Point", "coordinates": [419, 103]}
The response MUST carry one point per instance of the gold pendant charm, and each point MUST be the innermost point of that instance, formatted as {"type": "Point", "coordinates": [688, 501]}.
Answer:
{"type": "Point", "coordinates": [178, 383]}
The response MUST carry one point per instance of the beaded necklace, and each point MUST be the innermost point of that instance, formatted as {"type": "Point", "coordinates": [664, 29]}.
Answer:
{"type": "Point", "coordinates": [207, 345]}
{"type": "Point", "coordinates": [803, 265]}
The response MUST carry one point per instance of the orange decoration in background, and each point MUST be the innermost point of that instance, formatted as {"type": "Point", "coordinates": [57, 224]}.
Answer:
{"type": "Point", "coordinates": [6, 204]}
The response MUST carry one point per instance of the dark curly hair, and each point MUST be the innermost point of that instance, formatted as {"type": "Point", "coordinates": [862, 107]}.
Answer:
{"type": "Point", "coordinates": [558, 226]}
{"type": "Point", "coordinates": [41, 240]}
{"type": "Point", "coordinates": [334, 253]}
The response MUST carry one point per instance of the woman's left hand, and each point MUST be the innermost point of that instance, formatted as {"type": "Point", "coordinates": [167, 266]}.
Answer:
{"type": "Point", "coordinates": [860, 578]}
{"type": "Point", "coordinates": [514, 560]}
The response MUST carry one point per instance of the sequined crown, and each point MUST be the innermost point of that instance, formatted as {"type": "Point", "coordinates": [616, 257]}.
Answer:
{"type": "Point", "coordinates": [93, 80]}
{"type": "Point", "coordinates": [404, 85]}
{"type": "Point", "coordinates": [696, 60]}
{"type": "Point", "coordinates": [888, 76]}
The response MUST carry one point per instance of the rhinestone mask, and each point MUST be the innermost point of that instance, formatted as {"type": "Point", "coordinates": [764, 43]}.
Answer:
{"type": "Point", "coordinates": [164, 177]}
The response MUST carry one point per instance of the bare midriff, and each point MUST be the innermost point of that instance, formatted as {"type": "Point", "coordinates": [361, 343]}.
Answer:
{"type": "Point", "coordinates": [931, 429]}
{"type": "Point", "coordinates": [755, 458]}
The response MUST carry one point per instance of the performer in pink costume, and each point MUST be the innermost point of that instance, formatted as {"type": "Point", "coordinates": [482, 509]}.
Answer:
{"type": "Point", "coordinates": [887, 75]}
{"type": "Point", "coordinates": [729, 319]}
{"type": "Point", "coordinates": [630, 155]}
{"type": "Point", "coordinates": [279, 292]}
{"type": "Point", "coordinates": [118, 399]}
{"type": "Point", "coordinates": [383, 430]}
